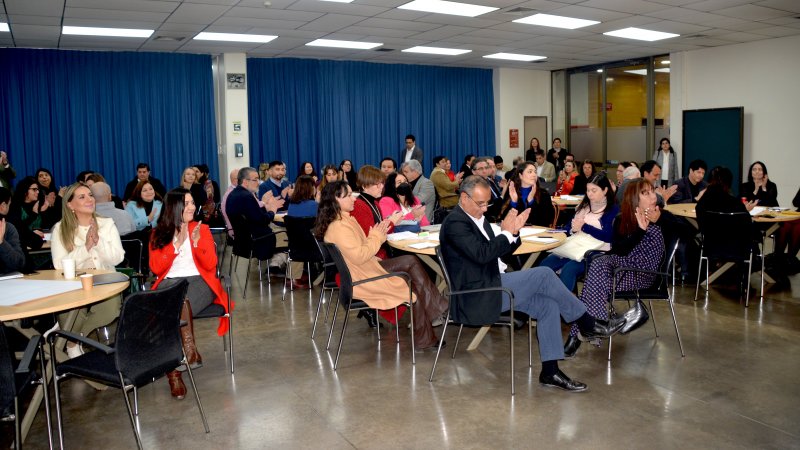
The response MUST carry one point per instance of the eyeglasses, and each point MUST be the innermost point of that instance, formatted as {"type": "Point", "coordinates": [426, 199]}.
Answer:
{"type": "Point", "coordinates": [34, 189]}
{"type": "Point", "coordinates": [479, 204]}
{"type": "Point", "coordinates": [252, 179]}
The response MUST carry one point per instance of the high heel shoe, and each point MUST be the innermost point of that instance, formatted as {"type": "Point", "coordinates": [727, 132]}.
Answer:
{"type": "Point", "coordinates": [176, 386]}
{"type": "Point", "coordinates": [571, 346]}
{"type": "Point", "coordinates": [370, 316]}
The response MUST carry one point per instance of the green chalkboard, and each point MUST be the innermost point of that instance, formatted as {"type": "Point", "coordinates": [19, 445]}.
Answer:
{"type": "Point", "coordinates": [717, 137]}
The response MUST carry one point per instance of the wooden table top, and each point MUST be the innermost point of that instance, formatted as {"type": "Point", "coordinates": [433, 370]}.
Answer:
{"type": "Point", "coordinates": [61, 302]}
{"type": "Point", "coordinates": [524, 249]}
{"type": "Point", "coordinates": [567, 202]}
{"type": "Point", "coordinates": [767, 216]}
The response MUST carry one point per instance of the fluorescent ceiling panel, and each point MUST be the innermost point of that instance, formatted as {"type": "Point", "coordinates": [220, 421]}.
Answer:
{"type": "Point", "coordinates": [644, 71]}
{"type": "Point", "coordinates": [446, 7]}
{"type": "Point", "coordinates": [437, 50]}
{"type": "Point", "coordinates": [641, 34]}
{"type": "Point", "coordinates": [4, 27]}
{"type": "Point", "coordinates": [344, 44]}
{"type": "Point", "coordinates": [549, 20]}
{"type": "Point", "coordinates": [233, 37]}
{"type": "Point", "coordinates": [113, 32]}
{"type": "Point", "coordinates": [515, 57]}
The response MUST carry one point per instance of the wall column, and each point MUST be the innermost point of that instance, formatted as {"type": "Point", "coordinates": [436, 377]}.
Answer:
{"type": "Point", "coordinates": [231, 114]}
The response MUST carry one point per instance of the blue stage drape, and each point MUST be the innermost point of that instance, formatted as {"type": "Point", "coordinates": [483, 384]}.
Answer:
{"type": "Point", "coordinates": [70, 111]}
{"type": "Point", "coordinates": [326, 111]}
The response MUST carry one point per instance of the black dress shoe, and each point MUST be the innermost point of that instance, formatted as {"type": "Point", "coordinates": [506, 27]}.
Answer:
{"type": "Point", "coordinates": [571, 347]}
{"type": "Point", "coordinates": [603, 328]}
{"type": "Point", "coordinates": [370, 316]}
{"type": "Point", "coordinates": [635, 318]}
{"type": "Point", "coordinates": [562, 381]}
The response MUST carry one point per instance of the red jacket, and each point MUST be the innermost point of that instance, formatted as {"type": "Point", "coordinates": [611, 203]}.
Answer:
{"type": "Point", "coordinates": [205, 258]}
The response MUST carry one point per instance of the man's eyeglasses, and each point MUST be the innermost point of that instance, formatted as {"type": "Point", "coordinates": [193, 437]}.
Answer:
{"type": "Point", "coordinates": [479, 204]}
{"type": "Point", "coordinates": [252, 179]}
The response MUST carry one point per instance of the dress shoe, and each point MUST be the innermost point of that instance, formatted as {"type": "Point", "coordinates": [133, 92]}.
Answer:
{"type": "Point", "coordinates": [176, 386]}
{"type": "Point", "coordinates": [571, 347]}
{"type": "Point", "coordinates": [562, 381]}
{"type": "Point", "coordinates": [604, 329]}
{"type": "Point", "coordinates": [370, 316]}
{"type": "Point", "coordinates": [635, 318]}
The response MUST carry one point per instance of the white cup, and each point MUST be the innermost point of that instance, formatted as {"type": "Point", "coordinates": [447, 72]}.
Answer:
{"type": "Point", "coordinates": [68, 265]}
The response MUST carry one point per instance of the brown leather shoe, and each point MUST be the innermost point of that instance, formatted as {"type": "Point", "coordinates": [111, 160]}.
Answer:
{"type": "Point", "coordinates": [187, 338]}
{"type": "Point", "coordinates": [176, 386]}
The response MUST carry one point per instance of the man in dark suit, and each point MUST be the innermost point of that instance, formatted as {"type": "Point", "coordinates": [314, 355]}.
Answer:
{"type": "Point", "coordinates": [472, 254]}
{"type": "Point", "coordinates": [411, 151]}
{"type": "Point", "coordinates": [250, 217]}
{"type": "Point", "coordinates": [691, 187]}
{"type": "Point", "coordinates": [143, 174]}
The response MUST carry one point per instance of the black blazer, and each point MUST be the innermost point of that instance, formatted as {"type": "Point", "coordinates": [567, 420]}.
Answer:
{"type": "Point", "coordinates": [471, 261]}
{"type": "Point", "coordinates": [768, 198]}
{"type": "Point", "coordinates": [247, 218]}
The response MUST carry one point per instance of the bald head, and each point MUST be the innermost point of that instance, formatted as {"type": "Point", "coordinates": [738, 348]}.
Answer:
{"type": "Point", "coordinates": [101, 192]}
{"type": "Point", "coordinates": [234, 175]}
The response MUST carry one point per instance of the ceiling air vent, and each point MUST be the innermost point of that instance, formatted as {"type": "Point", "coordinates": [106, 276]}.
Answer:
{"type": "Point", "coordinates": [383, 49]}
{"type": "Point", "coordinates": [169, 38]}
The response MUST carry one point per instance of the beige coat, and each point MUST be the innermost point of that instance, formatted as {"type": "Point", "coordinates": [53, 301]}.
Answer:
{"type": "Point", "coordinates": [359, 254]}
{"type": "Point", "coordinates": [445, 188]}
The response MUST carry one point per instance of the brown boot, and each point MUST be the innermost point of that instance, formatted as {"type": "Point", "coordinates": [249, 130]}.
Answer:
{"type": "Point", "coordinates": [176, 386]}
{"type": "Point", "coordinates": [187, 337]}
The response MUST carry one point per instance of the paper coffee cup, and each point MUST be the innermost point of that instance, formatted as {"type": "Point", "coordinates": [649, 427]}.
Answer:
{"type": "Point", "coordinates": [68, 265]}
{"type": "Point", "coordinates": [86, 281]}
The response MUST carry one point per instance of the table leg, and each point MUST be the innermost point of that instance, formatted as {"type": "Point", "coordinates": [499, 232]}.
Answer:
{"type": "Point", "coordinates": [718, 273]}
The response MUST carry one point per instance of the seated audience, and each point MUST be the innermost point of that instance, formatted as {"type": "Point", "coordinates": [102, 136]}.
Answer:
{"type": "Point", "coordinates": [337, 226]}
{"type": "Point", "coordinates": [620, 174]}
{"type": "Point", "coordinates": [587, 172]}
{"type": "Point", "coordinates": [347, 172]}
{"type": "Point", "coordinates": [466, 168]}
{"type": "Point", "coordinates": [651, 171]}
{"type": "Point", "coordinates": [472, 255]}
{"type": "Point", "coordinates": [181, 248]}
{"type": "Point", "coordinates": [12, 257]}
{"type": "Point", "coordinates": [97, 177]}
{"type": "Point", "coordinates": [525, 193]}
{"type": "Point", "coordinates": [557, 155]}
{"type": "Point", "coordinates": [630, 173]}
{"type": "Point", "coordinates": [233, 175]}
{"type": "Point", "coordinates": [388, 165]}
{"type": "Point", "coordinates": [144, 205]}
{"type": "Point", "coordinates": [29, 213]}
{"type": "Point", "coordinates": [93, 243]}
{"type": "Point", "coordinates": [277, 183]}
{"type": "Point", "coordinates": [366, 210]}
{"type": "Point", "coordinates": [566, 179]}
{"type": "Point", "coordinates": [245, 210]}
{"type": "Point", "coordinates": [595, 217]}
{"type": "Point", "coordinates": [52, 194]}
{"type": "Point", "coordinates": [691, 187]}
{"type": "Point", "coordinates": [104, 207]}
{"type": "Point", "coordinates": [329, 174]}
{"type": "Point", "coordinates": [143, 174]}
{"type": "Point", "coordinates": [190, 183]}
{"type": "Point", "coordinates": [789, 236]}
{"type": "Point", "coordinates": [500, 166]}
{"type": "Point", "coordinates": [421, 187]}
{"type": "Point", "coordinates": [307, 168]}
{"type": "Point", "coordinates": [208, 209]}
{"type": "Point", "coordinates": [480, 167]}
{"type": "Point", "coordinates": [545, 170]}
{"type": "Point", "coordinates": [445, 188]}
{"type": "Point", "coordinates": [398, 196]}
{"type": "Point", "coordinates": [7, 173]}
{"type": "Point", "coordinates": [302, 203]}
{"type": "Point", "coordinates": [759, 187]}
{"type": "Point", "coordinates": [636, 242]}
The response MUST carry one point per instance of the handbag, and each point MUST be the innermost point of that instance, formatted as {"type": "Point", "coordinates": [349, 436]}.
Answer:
{"type": "Point", "coordinates": [575, 246]}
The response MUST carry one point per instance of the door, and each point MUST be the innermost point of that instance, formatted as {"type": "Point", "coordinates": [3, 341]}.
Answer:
{"type": "Point", "coordinates": [535, 127]}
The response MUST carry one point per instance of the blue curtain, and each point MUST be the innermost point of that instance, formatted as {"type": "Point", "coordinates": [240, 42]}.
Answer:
{"type": "Point", "coordinates": [70, 111]}
{"type": "Point", "coordinates": [326, 111]}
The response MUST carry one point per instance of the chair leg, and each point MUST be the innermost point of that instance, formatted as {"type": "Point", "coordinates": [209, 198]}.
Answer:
{"type": "Point", "coordinates": [530, 342]}
{"type": "Point", "coordinates": [330, 302]}
{"type": "Point", "coordinates": [246, 277]}
{"type": "Point", "coordinates": [17, 425]}
{"type": "Point", "coordinates": [46, 392]}
{"type": "Point", "coordinates": [675, 321]}
{"type": "Point", "coordinates": [411, 317]}
{"type": "Point", "coordinates": [511, 347]}
{"type": "Point", "coordinates": [749, 272]}
{"type": "Point", "coordinates": [319, 307]}
{"type": "Point", "coordinates": [333, 323]}
{"type": "Point", "coordinates": [378, 328]}
{"type": "Point", "coordinates": [289, 272]}
{"type": "Point", "coordinates": [130, 413]}
{"type": "Point", "coordinates": [653, 317]}
{"type": "Point", "coordinates": [341, 338]}
{"type": "Point", "coordinates": [699, 269]}
{"type": "Point", "coordinates": [458, 338]}
{"type": "Point", "coordinates": [609, 347]}
{"type": "Point", "coordinates": [439, 349]}
{"type": "Point", "coordinates": [59, 421]}
{"type": "Point", "coordinates": [196, 396]}
{"type": "Point", "coordinates": [397, 325]}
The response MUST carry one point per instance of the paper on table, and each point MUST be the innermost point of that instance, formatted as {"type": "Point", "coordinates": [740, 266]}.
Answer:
{"type": "Point", "coordinates": [757, 210]}
{"type": "Point", "coordinates": [524, 232]}
{"type": "Point", "coordinates": [21, 291]}
{"type": "Point", "coordinates": [401, 236]}
{"type": "Point", "coordinates": [431, 227]}
{"type": "Point", "coordinates": [433, 237]}
{"type": "Point", "coordinates": [572, 197]}
{"type": "Point", "coordinates": [540, 240]}
{"type": "Point", "coordinates": [48, 237]}
{"type": "Point", "coordinates": [421, 245]}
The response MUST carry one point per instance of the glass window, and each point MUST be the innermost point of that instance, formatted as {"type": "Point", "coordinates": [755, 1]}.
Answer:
{"type": "Point", "coordinates": [626, 112]}
{"type": "Point", "coordinates": [661, 99]}
{"type": "Point", "coordinates": [586, 115]}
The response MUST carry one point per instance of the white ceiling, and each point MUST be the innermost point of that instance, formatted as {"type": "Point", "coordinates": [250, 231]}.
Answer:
{"type": "Point", "coordinates": [701, 23]}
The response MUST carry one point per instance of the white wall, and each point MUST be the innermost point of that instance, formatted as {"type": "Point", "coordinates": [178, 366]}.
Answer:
{"type": "Point", "coordinates": [519, 93]}
{"type": "Point", "coordinates": [231, 106]}
{"type": "Point", "coordinates": [763, 78]}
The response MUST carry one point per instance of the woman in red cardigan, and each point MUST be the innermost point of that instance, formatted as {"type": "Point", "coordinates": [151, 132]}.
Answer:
{"type": "Point", "coordinates": [181, 248]}
{"type": "Point", "coordinates": [566, 179]}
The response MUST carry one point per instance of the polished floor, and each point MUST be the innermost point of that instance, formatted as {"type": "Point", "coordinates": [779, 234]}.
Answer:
{"type": "Point", "coordinates": [736, 388]}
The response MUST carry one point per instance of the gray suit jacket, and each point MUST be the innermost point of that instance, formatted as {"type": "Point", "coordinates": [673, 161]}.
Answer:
{"type": "Point", "coordinates": [426, 193]}
{"type": "Point", "coordinates": [415, 154]}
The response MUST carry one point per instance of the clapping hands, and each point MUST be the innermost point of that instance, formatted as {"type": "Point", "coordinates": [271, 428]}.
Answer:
{"type": "Point", "coordinates": [514, 221]}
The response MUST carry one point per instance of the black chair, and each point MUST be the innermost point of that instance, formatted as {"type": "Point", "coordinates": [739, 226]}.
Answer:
{"type": "Point", "coordinates": [136, 255]}
{"type": "Point", "coordinates": [302, 245]}
{"type": "Point", "coordinates": [328, 284]}
{"type": "Point", "coordinates": [350, 304]}
{"type": "Point", "coordinates": [221, 231]}
{"type": "Point", "coordinates": [244, 247]}
{"type": "Point", "coordinates": [726, 237]}
{"type": "Point", "coordinates": [147, 346]}
{"type": "Point", "coordinates": [16, 379]}
{"type": "Point", "coordinates": [215, 311]}
{"type": "Point", "coordinates": [503, 321]}
{"type": "Point", "coordinates": [662, 288]}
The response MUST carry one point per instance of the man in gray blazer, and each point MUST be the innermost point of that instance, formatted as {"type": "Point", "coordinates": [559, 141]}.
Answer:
{"type": "Point", "coordinates": [423, 188]}
{"type": "Point", "coordinates": [411, 151]}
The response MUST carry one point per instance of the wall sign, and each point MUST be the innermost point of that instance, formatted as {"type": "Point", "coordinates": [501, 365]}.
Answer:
{"type": "Point", "coordinates": [236, 81]}
{"type": "Point", "coordinates": [513, 138]}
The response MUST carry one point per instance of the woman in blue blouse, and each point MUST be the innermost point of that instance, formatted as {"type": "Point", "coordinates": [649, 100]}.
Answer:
{"type": "Point", "coordinates": [525, 192]}
{"type": "Point", "coordinates": [595, 217]}
{"type": "Point", "coordinates": [144, 206]}
{"type": "Point", "coordinates": [302, 203]}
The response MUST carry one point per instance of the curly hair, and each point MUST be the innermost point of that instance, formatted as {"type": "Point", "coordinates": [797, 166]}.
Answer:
{"type": "Point", "coordinates": [329, 210]}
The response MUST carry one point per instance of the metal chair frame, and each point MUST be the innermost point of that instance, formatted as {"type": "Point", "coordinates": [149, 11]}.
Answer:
{"type": "Point", "coordinates": [326, 263]}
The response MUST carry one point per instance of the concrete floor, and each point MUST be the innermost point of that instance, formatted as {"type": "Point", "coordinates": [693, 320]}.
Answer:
{"type": "Point", "coordinates": [736, 387]}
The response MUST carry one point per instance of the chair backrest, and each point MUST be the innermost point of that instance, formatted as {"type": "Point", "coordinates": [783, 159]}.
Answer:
{"type": "Point", "coordinates": [133, 249]}
{"type": "Point", "coordinates": [302, 245]}
{"type": "Point", "coordinates": [345, 279]}
{"type": "Point", "coordinates": [244, 240]}
{"type": "Point", "coordinates": [327, 262]}
{"type": "Point", "coordinates": [7, 382]}
{"type": "Point", "coordinates": [726, 235]}
{"type": "Point", "coordinates": [148, 342]}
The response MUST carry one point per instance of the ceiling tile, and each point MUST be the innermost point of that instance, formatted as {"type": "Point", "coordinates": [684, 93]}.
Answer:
{"type": "Point", "coordinates": [742, 37]}
{"type": "Point", "coordinates": [35, 20]}
{"type": "Point", "coordinates": [584, 12]}
{"type": "Point", "coordinates": [338, 8]}
{"type": "Point", "coordinates": [784, 5]}
{"type": "Point", "coordinates": [22, 31]}
{"type": "Point", "coordinates": [258, 23]}
{"type": "Point", "coordinates": [197, 13]}
{"type": "Point", "coordinates": [388, 32]}
{"type": "Point", "coordinates": [110, 14]}
{"type": "Point", "coordinates": [442, 33]}
{"type": "Point", "coordinates": [753, 12]}
{"type": "Point", "coordinates": [331, 22]}
{"type": "Point", "coordinates": [182, 27]}
{"type": "Point", "coordinates": [272, 13]}
{"type": "Point", "coordinates": [398, 24]}
{"type": "Point", "coordinates": [34, 7]}
{"type": "Point", "coordinates": [625, 6]}
{"type": "Point", "coordinates": [80, 22]}
{"type": "Point", "coordinates": [127, 5]}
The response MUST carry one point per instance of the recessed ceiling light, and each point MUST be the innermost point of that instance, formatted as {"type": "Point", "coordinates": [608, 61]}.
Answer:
{"type": "Point", "coordinates": [4, 27]}
{"type": "Point", "coordinates": [344, 44]}
{"type": "Point", "coordinates": [641, 34]}
{"type": "Point", "coordinates": [437, 50]}
{"type": "Point", "coordinates": [232, 37]}
{"type": "Point", "coordinates": [114, 32]}
{"type": "Point", "coordinates": [599, 70]}
{"type": "Point", "coordinates": [666, 61]}
{"type": "Point", "coordinates": [446, 7]}
{"type": "Point", "coordinates": [549, 20]}
{"type": "Point", "coordinates": [515, 57]}
{"type": "Point", "coordinates": [644, 71]}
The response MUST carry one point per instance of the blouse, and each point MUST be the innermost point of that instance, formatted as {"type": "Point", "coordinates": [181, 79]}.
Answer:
{"type": "Point", "coordinates": [139, 215]}
{"type": "Point", "coordinates": [105, 255]}
{"type": "Point", "coordinates": [388, 206]}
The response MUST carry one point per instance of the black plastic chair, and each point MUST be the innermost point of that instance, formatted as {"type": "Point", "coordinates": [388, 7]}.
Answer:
{"type": "Point", "coordinates": [350, 304]}
{"type": "Point", "coordinates": [328, 284]}
{"type": "Point", "coordinates": [503, 321]}
{"type": "Point", "coordinates": [302, 245]}
{"type": "Point", "coordinates": [244, 247]}
{"type": "Point", "coordinates": [147, 346]}
{"type": "Point", "coordinates": [215, 311]}
{"type": "Point", "coordinates": [726, 237]}
{"type": "Point", "coordinates": [16, 379]}
{"type": "Point", "coordinates": [662, 288]}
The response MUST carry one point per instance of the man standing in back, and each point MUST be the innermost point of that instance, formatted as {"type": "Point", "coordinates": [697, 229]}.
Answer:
{"type": "Point", "coordinates": [411, 151]}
